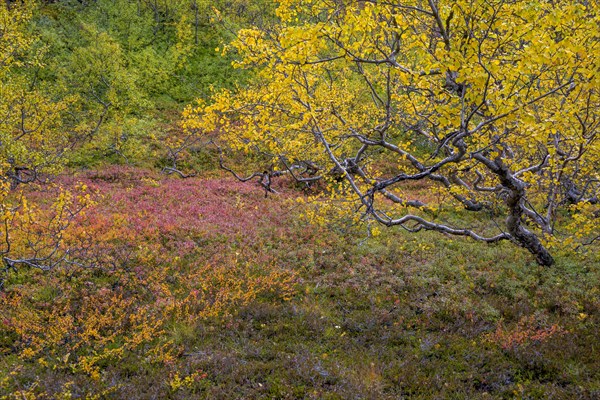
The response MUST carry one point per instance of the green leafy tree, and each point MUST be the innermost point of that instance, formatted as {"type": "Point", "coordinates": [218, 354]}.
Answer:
{"type": "Point", "coordinates": [32, 132]}
{"type": "Point", "coordinates": [35, 136]}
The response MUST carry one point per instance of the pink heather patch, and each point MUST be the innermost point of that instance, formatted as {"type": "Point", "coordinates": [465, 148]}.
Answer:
{"type": "Point", "coordinates": [145, 208]}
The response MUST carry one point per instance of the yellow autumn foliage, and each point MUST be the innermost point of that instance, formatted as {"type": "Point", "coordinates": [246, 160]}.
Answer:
{"type": "Point", "coordinates": [489, 101]}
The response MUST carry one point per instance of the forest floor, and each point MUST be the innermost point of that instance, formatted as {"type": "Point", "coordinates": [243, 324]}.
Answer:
{"type": "Point", "coordinates": [204, 288]}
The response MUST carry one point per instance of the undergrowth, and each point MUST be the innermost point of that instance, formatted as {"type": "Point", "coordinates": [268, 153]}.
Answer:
{"type": "Point", "coordinates": [204, 288]}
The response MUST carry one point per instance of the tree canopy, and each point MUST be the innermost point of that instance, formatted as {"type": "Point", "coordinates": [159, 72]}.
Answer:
{"type": "Point", "coordinates": [494, 103]}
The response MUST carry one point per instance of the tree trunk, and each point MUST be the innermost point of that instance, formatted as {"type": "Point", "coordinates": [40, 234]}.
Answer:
{"type": "Point", "coordinates": [528, 239]}
{"type": "Point", "coordinates": [515, 200]}
{"type": "Point", "coordinates": [523, 236]}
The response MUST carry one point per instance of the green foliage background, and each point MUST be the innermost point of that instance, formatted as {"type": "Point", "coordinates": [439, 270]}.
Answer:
{"type": "Point", "coordinates": [130, 63]}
